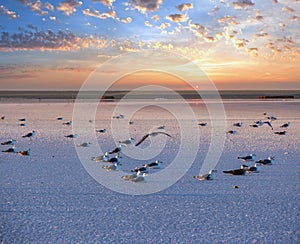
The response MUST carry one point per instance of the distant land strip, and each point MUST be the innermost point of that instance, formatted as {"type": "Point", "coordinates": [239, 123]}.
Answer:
{"type": "Point", "coordinates": [117, 95]}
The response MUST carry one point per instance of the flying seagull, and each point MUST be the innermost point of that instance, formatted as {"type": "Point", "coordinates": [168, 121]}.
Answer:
{"type": "Point", "coordinates": [151, 134]}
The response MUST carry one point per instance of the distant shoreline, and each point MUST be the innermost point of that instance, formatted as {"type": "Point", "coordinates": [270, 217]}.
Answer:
{"type": "Point", "coordinates": [12, 96]}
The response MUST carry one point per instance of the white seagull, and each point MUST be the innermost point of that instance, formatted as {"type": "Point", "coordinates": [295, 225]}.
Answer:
{"type": "Point", "coordinates": [238, 124]}
{"type": "Point", "coordinates": [113, 167]}
{"type": "Point", "coordinates": [268, 160]}
{"type": "Point", "coordinates": [127, 142]}
{"type": "Point", "coordinates": [209, 176]}
{"type": "Point", "coordinates": [101, 158]}
{"type": "Point", "coordinates": [152, 134]}
{"type": "Point", "coordinates": [143, 169]}
{"type": "Point", "coordinates": [140, 177]}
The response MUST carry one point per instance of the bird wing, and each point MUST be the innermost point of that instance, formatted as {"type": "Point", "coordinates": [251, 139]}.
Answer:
{"type": "Point", "coordinates": [161, 132]}
{"type": "Point", "coordinates": [143, 139]}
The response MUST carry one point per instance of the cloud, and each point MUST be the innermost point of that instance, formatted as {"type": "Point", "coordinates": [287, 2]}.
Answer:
{"type": "Point", "coordinates": [53, 18]}
{"type": "Point", "coordinates": [253, 51]}
{"type": "Point", "coordinates": [48, 6]}
{"type": "Point", "coordinates": [69, 6]}
{"type": "Point", "coordinates": [146, 5]}
{"type": "Point", "coordinates": [288, 9]}
{"type": "Point", "coordinates": [164, 26]}
{"type": "Point", "coordinates": [9, 13]}
{"type": "Point", "coordinates": [48, 41]}
{"type": "Point", "coordinates": [210, 39]}
{"type": "Point", "coordinates": [97, 14]}
{"type": "Point", "coordinates": [105, 2]}
{"type": "Point", "coordinates": [177, 17]}
{"type": "Point", "coordinates": [155, 18]}
{"type": "Point", "coordinates": [36, 7]}
{"type": "Point", "coordinates": [240, 43]}
{"type": "Point", "coordinates": [126, 20]}
{"type": "Point", "coordinates": [148, 24]}
{"type": "Point", "coordinates": [184, 6]}
{"type": "Point", "coordinates": [197, 29]}
{"type": "Point", "coordinates": [242, 4]}
{"type": "Point", "coordinates": [214, 10]}
{"type": "Point", "coordinates": [226, 18]}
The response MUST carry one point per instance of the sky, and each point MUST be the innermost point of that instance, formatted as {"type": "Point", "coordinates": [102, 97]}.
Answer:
{"type": "Point", "coordinates": [237, 44]}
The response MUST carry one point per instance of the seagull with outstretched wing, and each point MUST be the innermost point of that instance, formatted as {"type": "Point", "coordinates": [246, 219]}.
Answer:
{"type": "Point", "coordinates": [151, 134]}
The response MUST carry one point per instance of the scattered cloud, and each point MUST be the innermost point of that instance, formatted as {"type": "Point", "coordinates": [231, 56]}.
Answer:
{"type": "Point", "coordinates": [184, 6]}
{"type": "Point", "coordinates": [242, 4]}
{"type": "Point", "coordinates": [49, 6]}
{"type": "Point", "coordinates": [9, 13]}
{"type": "Point", "coordinates": [69, 6]}
{"type": "Point", "coordinates": [156, 18]}
{"type": "Point", "coordinates": [105, 2]}
{"type": "Point", "coordinates": [163, 26]}
{"type": "Point", "coordinates": [126, 20]}
{"type": "Point", "coordinates": [288, 9]}
{"type": "Point", "coordinates": [48, 41]}
{"type": "Point", "coordinates": [177, 17]}
{"type": "Point", "coordinates": [97, 14]}
{"type": "Point", "coordinates": [146, 5]}
{"type": "Point", "coordinates": [226, 18]}
{"type": "Point", "coordinates": [148, 24]}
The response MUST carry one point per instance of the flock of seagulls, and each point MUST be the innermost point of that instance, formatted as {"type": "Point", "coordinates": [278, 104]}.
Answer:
{"type": "Point", "coordinates": [248, 158]}
{"type": "Point", "coordinates": [112, 158]}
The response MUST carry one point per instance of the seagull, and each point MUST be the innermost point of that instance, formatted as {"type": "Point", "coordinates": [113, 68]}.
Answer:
{"type": "Point", "coordinates": [238, 124]}
{"type": "Point", "coordinates": [155, 165]}
{"type": "Point", "coordinates": [259, 122]}
{"type": "Point", "coordinates": [131, 122]}
{"type": "Point", "coordinates": [127, 142]}
{"type": "Point", "coordinates": [209, 176]}
{"type": "Point", "coordinates": [116, 159]}
{"type": "Point", "coordinates": [103, 158]}
{"type": "Point", "coordinates": [23, 119]}
{"type": "Point", "coordinates": [120, 116]}
{"type": "Point", "coordinates": [2, 117]}
{"type": "Point", "coordinates": [24, 153]}
{"type": "Point", "coordinates": [250, 157]}
{"type": "Point", "coordinates": [280, 132]}
{"type": "Point", "coordinates": [254, 125]}
{"type": "Point", "coordinates": [240, 171]}
{"type": "Point", "coordinates": [67, 123]}
{"type": "Point", "coordinates": [129, 177]}
{"type": "Point", "coordinates": [203, 124]}
{"type": "Point", "coordinates": [84, 144]}
{"type": "Point", "coordinates": [268, 160]}
{"type": "Point", "coordinates": [30, 134]}
{"type": "Point", "coordinates": [101, 131]}
{"type": "Point", "coordinates": [162, 127]}
{"type": "Point", "coordinates": [23, 124]}
{"type": "Point", "coordinates": [116, 150]}
{"type": "Point", "coordinates": [286, 125]}
{"type": "Point", "coordinates": [59, 118]}
{"type": "Point", "coordinates": [254, 169]}
{"type": "Point", "coordinates": [10, 150]}
{"type": "Point", "coordinates": [10, 142]}
{"type": "Point", "coordinates": [143, 169]}
{"type": "Point", "coordinates": [232, 132]}
{"type": "Point", "coordinates": [140, 177]}
{"type": "Point", "coordinates": [271, 118]}
{"type": "Point", "coordinates": [268, 123]}
{"type": "Point", "coordinates": [71, 136]}
{"type": "Point", "coordinates": [113, 167]}
{"type": "Point", "coordinates": [151, 134]}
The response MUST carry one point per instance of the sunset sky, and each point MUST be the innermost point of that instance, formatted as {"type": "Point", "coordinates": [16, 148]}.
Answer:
{"type": "Point", "coordinates": [239, 44]}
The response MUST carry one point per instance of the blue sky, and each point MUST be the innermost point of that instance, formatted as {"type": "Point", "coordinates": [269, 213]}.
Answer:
{"type": "Point", "coordinates": [240, 44]}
